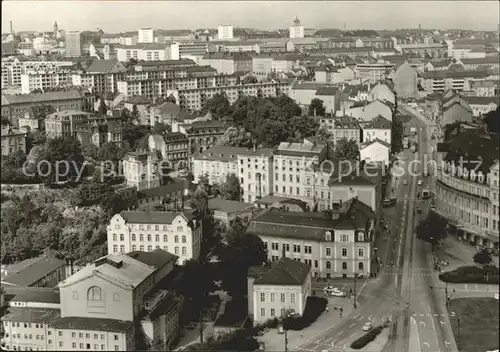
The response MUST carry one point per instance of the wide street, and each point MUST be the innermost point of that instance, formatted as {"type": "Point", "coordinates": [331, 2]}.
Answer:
{"type": "Point", "coordinates": [381, 297]}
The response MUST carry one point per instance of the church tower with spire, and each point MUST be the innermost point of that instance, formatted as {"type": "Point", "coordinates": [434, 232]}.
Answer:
{"type": "Point", "coordinates": [296, 30]}
{"type": "Point", "coordinates": [56, 28]}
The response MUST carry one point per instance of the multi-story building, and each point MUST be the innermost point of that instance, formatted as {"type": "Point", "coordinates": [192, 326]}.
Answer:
{"type": "Point", "coordinates": [368, 111]}
{"type": "Point", "coordinates": [108, 305]}
{"type": "Point", "coordinates": [481, 105]}
{"type": "Point", "coordinates": [382, 92]}
{"type": "Point", "coordinates": [333, 75]}
{"type": "Point", "coordinates": [342, 127]}
{"type": "Point", "coordinates": [375, 152]}
{"type": "Point", "coordinates": [487, 88]}
{"type": "Point", "coordinates": [378, 128]}
{"type": "Point", "coordinates": [255, 170]}
{"type": "Point", "coordinates": [96, 133]}
{"type": "Point", "coordinates": [439, 81]}
{"type": "Point", "coordinates": [278, 289]}
{"type": "Point", "coordinates": [44, 80]}
{"type": "Point", "coordinates": [194, 99]}
{"type": "Point", "coordinates": [64, 123]}
{"type": "Point", "coordinates": [378, 43]}
{"type": "Point", "coordinates": [12, 69]}
{"type": "Point", "coordinates": [173, 147]}
{"type": "Point", "coordinates": [141, 169]}
{"type": "Point", "coordinates": [145, 35]}
{"type": "Point", "coordinates": [146, 52]}
{"type": "Point", "coordinates": [188, 49]}
{"type": "Point", "coordinates": [369, 69]}
{"type": "Point", "coordinates": [296, 31]}
{"type": "Point", "coordinates": [467, 187]}
{"type": "Point", "coordinates": [101, 76]}
{"type": "Point", "coordinates": [262, 65]}
{"type": "Point", "coordinates": [15, 106]}
{"type": "Point", "coordinates": [13, 140]}
{"type": "Point", "coordinates": [225, 32]}
{"type": "Point", "coordinates": [331, 97]}
{"type": "Point", "coordinates": [73, 43]}
{"type": "Point", "coordinates": [228, 63]}
{"type": "Point", "coordinates": [178, 232]}
{"type": "Point", "coordinates": [335, 245]}
{"type": "Point", "coordinates": [216, 163]}
{"type": "Point", "coordinates": [488, 62]}
{"type": "Point", "coordinates": [227, 211]}
{"type": "Point", "coordinates": [201, 135]}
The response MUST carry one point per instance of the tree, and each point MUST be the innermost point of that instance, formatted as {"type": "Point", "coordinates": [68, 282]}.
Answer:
{"type": "Point", "coordinates": [160, 127]}
{"type": "Point", "coordinates": [219, 106]}
{"type": "Point", "coordinates": [482, 257]}
{"type": "Point", "coordinates": [133, 133]}
{"type": "Point", "coordinates": [243, 250]}
{"type": "Point", "coordinates": [346, 149]}
{"type": "Point", "coordinates": [324, 134]}
{"type": "Point", "coordinates": [301, 127]}
{"type": "Point", "coordinates": [5, 121]}
{"type": "Point", "coordinates": [249, 80]}
{"type": "Point", "coordinates": [196, 281]}
{"type": "Point", "coordinates": [492, 120]}
{"type": "Point", "coordinates": [171, 99]}
{"type": "Point", "coordinates": [316, 108]}
{"type": "Point", "coordinates": [231, 188]}
{"type": "Point", "coordinates": [397, 131]}
{"type": "Point", "coordinates": [134, 115]}
{"type": "Point", "coordinates": [236, 137]}
{"type": "Point", "coordinates": [11, 165]}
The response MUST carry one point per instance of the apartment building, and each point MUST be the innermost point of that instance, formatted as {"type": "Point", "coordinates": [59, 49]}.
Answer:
{"type": "Point", "coordinates": [173, 146]}
{"type": "Point", "coordinates": [145, 35]}
{"type": "Point", "coordinates": [13, 68]}
{"type": "Point", "coordinates": [44, 80]}
{"type": "Point", "coordinates": [236, 46]}
{"type": "Point", "coordinates": [160, 87]}
{"type": "Point", "coordinates": [255, 170]}
{"type": "Point", "coordinates": [142, 169]}
{"type": "Point", "coordinates": [217, 163]}
{"type": "Point", "coordinates": [333, 75]}
{"type": "Point", "coordinates": [296, 30]}
{"type": "Point", "coordinates": [97, 133]}
{"type": "Point", "coordinates": [482, 105]}
{"type": "Point", "coordinates": [375, 151]}
{"type": "Point", "coordinates": [467, 195]}
{"type": "Point", "coordinates": [369, 69]}
{"type": "Point", "coordinates": [225, 32]}
{"type": "Point", "coordinates": [228, 63]}
{"type": "Point", "coordinates": [194, 99]}
{"type": "Point", "coordinates": [486, 88]}
{"type": "Point", "coordinates": [146, 52]}
{"type": "Point", "coordinates": [334, 245]}
{"type": "Point", "coordinates": [342, 127]}
{"type": "Point", "coordinates": [201, 135]}
{"type": "Point", "coordinates": [65, 123]}
{"type": "Point", "coordinates": [188, 49]}
{"type": "Point", "coordinates": [117, 292]}
{"type": "Point", "coordinates": [488, 62]}
{"type": "Point", "coordinates": [73, 44]}
{"type": "Point", "coordinates": [141, 231]}
{"type": "Point", "coordinates": [262, 65]}
{"type": "Point", "coordinates": [378, 43]}
{"type": "Point", "coordinates": [278, 289]}
{"type": "Point", "coordinates": [405, 81]}
{"type": "Point", "coordinates": [378, 128]}
{"type": "Point", "coordinates": [227, 211]}
{"type": "Point", "coordinates": [382, 92]}
{"type": "Point", "coordinates": [365, 111]}
{"type": "Point", "coordinates": [15, 106]}
{"type": "Point", "coordinates": [439, 81]}
{"type": "Point", "coordinates": [101, 76]}
{"type": "Point", "coordinates": [331, 97]}
{"type": "Point", "coordinates": [13, 140]}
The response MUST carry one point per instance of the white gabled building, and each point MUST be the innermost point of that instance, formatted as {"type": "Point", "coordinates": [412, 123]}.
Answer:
{"type": "Point", "coordinates": [375, 151]}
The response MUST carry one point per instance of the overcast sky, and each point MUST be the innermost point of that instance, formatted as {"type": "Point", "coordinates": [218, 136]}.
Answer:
{"type": "Point", "coordinates": [117, 16]}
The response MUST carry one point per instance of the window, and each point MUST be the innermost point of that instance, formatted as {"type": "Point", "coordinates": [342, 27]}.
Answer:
{"type": "Point", "coordinates": [328, 251]}
{"type": "Point", "coordinates": [87, 336]}
{"type": "Point", "coordinates": [96, 336]}
{"type": "Point", "coordinates": [133, 237]}
{"type": "Point", "coordinates": [282, 297]}
{"type": "Point", "coordinates": [60, 333]}
{"type": "Point", "coordinates": [117, 348]}
{"type": "Point", "coordinates": [184, 250]}
{"type": "Point", "coordinates": [176, 250]}
{"type": "Point", "coordinates": [73, 344]}
{"type": "Point", "coordinates": [328, 264]}
{"type": "Point", "coordinates": [149, 238]}
{"type": "Point", "coordinates": [344, 265]}
{"type": "Point", "coordinates": [116, 337]}
{"type": "Point", "coordinates": [114, 237]}
{"type": "Point", "coordinates": [122, 238]}
{"type": "Point", "coordinates": [262, 312]}
{"type": "Point", "coordinates": [176, 239]}
{"type": "Point", "coordinates": [73, 334]}
{"type": "Point", "coordinates": [183, 239]}
{"type": "Point", "coordinates": [141, 237]}
{"type": "Point", "coordinates": [273, 296]}
{"type": "Point", "coordinates": [361, 266]}
{"type": "Point", "coordinates": [165, 238]}
{"type": "Point", "coordinates": [157, 238]}
{"type": "Point", "coordinates": [81, 346]}
{"type": "Point", "coordinates": [344, 252]}
{"type": "Point", "coordinates": [262, 297]}
{"type": "Point", "coordinates": [60, 344]}
{"type": "Point", "coordinates": [115, 248]}
{"type": "Point", "coordinates": [292, 297]}
{"type": "Point", "coordinates": [315, 263]}
{"type": "Point", "coordinates": [273, 312]}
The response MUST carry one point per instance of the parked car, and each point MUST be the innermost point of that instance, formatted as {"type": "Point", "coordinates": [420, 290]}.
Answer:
{"type": "Point", "coordinates": [334, 291]}
{"type": "Point", "coordinates": [420, 182]}
{"type": "Point", "coordinates": [367, 327]}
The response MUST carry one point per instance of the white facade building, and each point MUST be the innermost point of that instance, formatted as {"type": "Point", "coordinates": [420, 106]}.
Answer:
{"type": "Point", "coordinates": [296, 31]}
{"type": "Point", "coordinates": [145, 35]}
{"type": "Point", "coordinates": [225, 32]}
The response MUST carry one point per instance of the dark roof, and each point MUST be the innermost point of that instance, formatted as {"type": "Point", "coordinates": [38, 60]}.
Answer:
{"type": "Point", "coordinates": [376, 140]}
{"type": "Point", "coordinates": [31, 315]}
{"type": "Point", "coordinates": [177, 185]}
{"type": "Point", "coordinates": [106, 66]}
{"type": "Point", "coordinates": [35, 271]}
{"type": "Point", "coordinates": [228, 206]}
{"type": "Point", "coordinates": [157, 258]}
{"type": "Point", "coordinates": [164, 307]}
{"type": "Point", "coordinates": [283, 272]}
{"type": "Point", "coordinates": [41, 97]}
{"type": "Point", "coordinates": [453, 74]}
{"type": "Point", "coordinates": [474, 145]}
{"type": "Point", "coordinates": [32, 294]}
{"type": "Point", "coordinates": [327, 91]}
{"type": "Point", "coordinates": [483, 60]}
{"type": "Point", "coordinates": [152, 217]}
{"type": "Point", "coordinates": [378, 122]}
{"type": "Point", "coordinates": [474, 100]}
{"type": "Point", "coordinates": [92, 324]}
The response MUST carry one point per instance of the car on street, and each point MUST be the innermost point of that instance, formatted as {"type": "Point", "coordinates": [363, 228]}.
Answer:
{"type": "Point", "coordinates": [420, 182]}
{"type": "Point", "coordinates": [333, 291]}
{"type": "Point", "coordinates": [367, 327]}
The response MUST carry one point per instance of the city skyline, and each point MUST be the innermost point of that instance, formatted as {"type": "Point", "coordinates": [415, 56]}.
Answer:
{"type": "Point", "coordinates": [90, 15]}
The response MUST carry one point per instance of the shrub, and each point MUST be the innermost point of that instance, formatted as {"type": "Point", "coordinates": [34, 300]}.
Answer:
{"type": "Point", "coordinates": [367, 338]}
{"type": "Point", "coordinates": [314, 307]}
{"type": "Point", "coordinates": [489, 274]}
{"type": "Point", "coordinates": [482, 257]}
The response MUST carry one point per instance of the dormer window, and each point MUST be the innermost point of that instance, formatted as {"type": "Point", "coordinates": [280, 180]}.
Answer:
{"type": "Point", "coordinates": [361, 236]}
{"type": "Point", "coordinates": [328, 236]}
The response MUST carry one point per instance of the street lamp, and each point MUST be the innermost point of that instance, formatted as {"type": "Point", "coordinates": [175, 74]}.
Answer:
{"type": "Point", "coordinates": [453, 314]}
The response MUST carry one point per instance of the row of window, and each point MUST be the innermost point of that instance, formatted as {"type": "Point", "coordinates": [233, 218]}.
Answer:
{"type": "Point", "coordinates": [272, 297]}
{"type": "Point", "coordinates": [141, 227]}
{"type": "Point", "coordinates": [149, 249]}
{"type": "Point", "coordinates": [273, 312]}
{"type": "Point", "coordinates": [328, 264]}
{"type": "Point", "coordinates": [149, 238]}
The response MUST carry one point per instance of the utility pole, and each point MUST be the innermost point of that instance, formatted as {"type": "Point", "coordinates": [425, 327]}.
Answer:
{"type": "Point", "coordinates": [354, 298]}
{"type": "Point", "coordinates": [201, 325]}
{"type": "Point", "coordinates": [446, 294]}
{"type": "Point", "coordinates": [286, 339]}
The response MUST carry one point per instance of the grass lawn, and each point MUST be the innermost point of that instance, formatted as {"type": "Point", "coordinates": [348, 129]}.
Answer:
{"type": "Point", "coordinates": [478, 323]}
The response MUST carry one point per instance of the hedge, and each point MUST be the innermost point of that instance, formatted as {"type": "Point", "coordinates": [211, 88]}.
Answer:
{"type": "Point", "coordinates": [367, 338]}
{"type": "Point", "coordinates": [314, 307]}
{"type": "Point", "coordinates": [488, 274]}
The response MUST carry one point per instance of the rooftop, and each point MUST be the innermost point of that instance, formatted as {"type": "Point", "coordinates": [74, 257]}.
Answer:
{"type": "Point", "coordinates": [41, 97]}
{"type": "Point", "coordinates": [453, 74]}
{"type": "Point", "coordinates": [92, 324]}
{"type": "Point", "coordinates": [286, 148]}
{"type": "Point", "coordinates": [378, 122]}
{"type": "Point", "coordinates": [30, 271]}
{"type": "Point", "coordinates": [153, 217]}
{"type": "Point", "coordinates": [475, 100]}
{"type": "Point", "coordinates": [228, 206]}
{"type": "Point", "coordinates": [284, 272]}
{"type": "Point", "coordinates": [118, 268]}
{"type": "Point", "coordinates": [31, 315]}
{"type": "Point", "coordinates": [32, 294]}
{"type": "Point", "coordinates": [221, 153]}
{"type": "Point", "coordinates": [158, 258]}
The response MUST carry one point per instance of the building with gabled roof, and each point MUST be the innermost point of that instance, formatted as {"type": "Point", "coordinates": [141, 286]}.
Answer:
{"type": "Point", "coordinates": [378, 128]}
{"type": "Point", "coordinates": [375, 151]}
{"type": "Point", "coordinates": [333, 244]}
{"type": "Point", "coordinates": [278, 289]}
